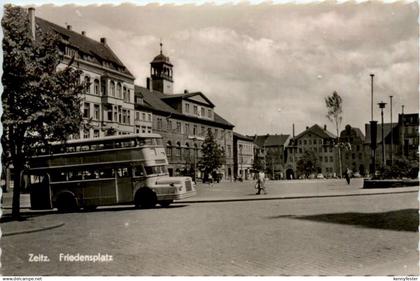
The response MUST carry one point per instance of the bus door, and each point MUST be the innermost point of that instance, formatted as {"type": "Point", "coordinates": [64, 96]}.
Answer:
{"type": "Point", "coordinates": [124, 187]}
{"type": "Point", "coordinates": [39, 190]}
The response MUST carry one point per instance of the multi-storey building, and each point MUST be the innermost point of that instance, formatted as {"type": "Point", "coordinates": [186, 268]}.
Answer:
{"type": "Point", "coordinates": [322, 143]}
{"type": "Point", "coordinates": [353, 154]}
{"type": "Point", "coordinates": [183, 120]}
{"type": "Point", "coordinates": [243, 156]}
{"type": "Point", "coordinates": [401, 140]}
{"type": "Point", "coordinates": [272, 149]}
{"type": "Point", "coordinates": [109, 101]}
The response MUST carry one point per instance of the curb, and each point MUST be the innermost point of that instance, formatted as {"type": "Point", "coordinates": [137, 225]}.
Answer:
{"type": "Point", "coordinates": [288, 197]}
{"type": "Point", "coordinates": [11, 233]}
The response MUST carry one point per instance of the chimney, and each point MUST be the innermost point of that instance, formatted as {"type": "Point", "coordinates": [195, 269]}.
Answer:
{"type": "Point", "coordinates": [325, 127]}
{"type": "Point", "coordinates": [84, 33]}
{"type": "Point", "coordinates": [307, 127]}
{"type": "Point", "coordinates": [68, 27]}
{"type": "Point", "coordinates": [149, 84]}
{"type": "Point", "coordinates": [31, 14]}
{"type": "Point", "coordinates": [293, 131]}
{"type": "Point", "coordinates": [185, 91]}
{"type": "Point", "coordinates": [103, 40]}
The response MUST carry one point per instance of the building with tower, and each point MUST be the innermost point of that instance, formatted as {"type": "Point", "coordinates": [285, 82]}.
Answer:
{"type": "Point", "coordinates": [183, 120]}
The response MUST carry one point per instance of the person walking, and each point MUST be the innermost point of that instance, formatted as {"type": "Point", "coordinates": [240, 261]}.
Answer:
{"type": "Point", "coordinates": [260, 183]}
{"type": "Point", "coordinates": [347, 175]}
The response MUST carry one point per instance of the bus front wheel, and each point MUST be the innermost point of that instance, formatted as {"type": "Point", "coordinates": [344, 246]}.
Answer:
{"type": "Point", "coordinates": [145, 198]}
{"type": "Point", "coordinates": [66, 202]}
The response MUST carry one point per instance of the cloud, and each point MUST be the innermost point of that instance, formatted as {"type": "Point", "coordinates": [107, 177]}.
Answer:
{"type": "Point", "coordinates": [252, 61]}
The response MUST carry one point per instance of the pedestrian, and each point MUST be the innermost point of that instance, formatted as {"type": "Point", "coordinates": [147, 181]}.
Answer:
{"type": "Point", "coordinates": [260, 183]}
{"type": "Point", "coordinates": [347, 175]}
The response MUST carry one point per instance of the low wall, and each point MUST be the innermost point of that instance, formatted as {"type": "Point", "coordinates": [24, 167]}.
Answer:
{"type": "Point", "coordinates": [389, 183]}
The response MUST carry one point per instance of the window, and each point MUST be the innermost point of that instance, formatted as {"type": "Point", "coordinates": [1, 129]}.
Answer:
{"type": "Point", "coordinates": [159, 123]}
{"type": "Point", "coordinates": [314, 141]}
{"type": "Point", "coordinates": [112, 88]}
{"type": "Point", "coordinates": [331, 159]}
{"type": "Point", "coordinates": [326, 158]}
{"type": "Point", "coordinates": [178, 127]}
{"type": "Point", "coordinates": [87, 83]}
{"type": "Point", "coordinates": [304, 142]}
{"type": "Point", "coordinates": [209, 113]}
{"type": "Point", "coordinates": [169, 125]}
{"type": "Point", "coordinates": [228, 151]}
{"type": "Point", "coordinates": [149, 129]}
{"type": "Point", "coordinates": [96, 133]}
{"type": "Point", "coordinates": [195, 110]}
{"type": "Point", "coordinates": [187, 108]}
{"type": "Point", "coordinates": [137, 118]}
{"type": "Point", "coordinates": [320, 159]}
{"type": "Point", "coordinates": [203, 131]}
{"type": "Point", "coordinates": [109, 114]}
{"type": "Point", "coordinates": [96, 87]}
{"type": "Point", "coordinates": [96, 111]}
{"type": "Point", "coordinates": [195, 130]}
{"type": "Point", "coordinates": [137, 130]}
{"type": "Point", "coordinates": [126, 96]}
{"type": "Point", "coordinates": [203, 112]}
{"type": "Point", "coordinates": [330, 149]}
{"type": "Point", "coordinates": [187, 129]}
{"type": "Point", "coordinates": [169, 149]}
{"type": "Point", "coordinates": [149, 117]}
{"type": "Point", "coordinates": [216, 133]}
{"type": "Point", "coordinates": [86, 134]}
{"type": "Point", "coordinates": [118, 90]}
{"type": "Point", "coordinates": [86, 110]}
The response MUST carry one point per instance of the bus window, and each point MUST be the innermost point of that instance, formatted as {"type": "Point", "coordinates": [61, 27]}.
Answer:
{"type": "Point", "coordinates": [58, 176]}
{"type": "Point", "coordinates": [138, 171]}
{"type": "Point", "coordinates": [155, 170]}
{"type": "Point", "coordinates": [129, 143]}
{"type": "Point", "coordinates": [122, 172]}
{"type": "Point", "coordinates": [75, 175]}
{"type": "Point", "coordinates": [71, 149]}
{"type": "Point", "coordinates": [107, 173]}
{"type": "Point", "coordinates": [85, 148]}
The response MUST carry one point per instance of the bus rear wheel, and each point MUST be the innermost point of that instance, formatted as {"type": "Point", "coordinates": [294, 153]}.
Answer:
{"type": "Point", "coordinates": [145, 198]}
{"type": "Point", "coordinates": [67, 202]}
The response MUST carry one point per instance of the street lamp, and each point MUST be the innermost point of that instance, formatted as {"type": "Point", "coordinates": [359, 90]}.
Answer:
{"type": "Point", "coordinates": [240, 158]}
{"type": "Point", "coordinates": [392, 130]}
{"type": "Point", "coordinates": [194, 139]}
{"type": "Point", "coordinates": [382, 106]}
{"type": "Point", "coordinates": [373, 133]}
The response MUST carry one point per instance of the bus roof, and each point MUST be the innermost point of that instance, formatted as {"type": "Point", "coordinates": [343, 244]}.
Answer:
{"type": "Point", "coordinates": [110, 138]}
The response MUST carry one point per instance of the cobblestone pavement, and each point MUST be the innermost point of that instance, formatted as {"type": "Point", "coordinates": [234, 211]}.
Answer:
{"type": "Point", "coordinates": [229, 238]}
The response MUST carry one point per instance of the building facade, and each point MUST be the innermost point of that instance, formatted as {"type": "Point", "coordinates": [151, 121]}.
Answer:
{"type": "Point", "coordinates": [183, 120]}
{"type": "Point", "coordinates": [353, 154]}
{"type": "Point", "coordinates": [322, 143]}
{"type": "Point", "coordinates": [272, 150]}
{"type": "Point", "coordinates": [109, 101]}
{"type": "Point", "coordinates": [243, 155]}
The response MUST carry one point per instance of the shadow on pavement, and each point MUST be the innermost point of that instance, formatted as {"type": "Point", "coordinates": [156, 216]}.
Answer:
{"type": "Point", "coordinates": [400, 220]}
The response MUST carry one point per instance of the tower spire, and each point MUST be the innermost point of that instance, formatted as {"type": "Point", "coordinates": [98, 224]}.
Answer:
{"type": "Point", "coordinates": [161, 46]}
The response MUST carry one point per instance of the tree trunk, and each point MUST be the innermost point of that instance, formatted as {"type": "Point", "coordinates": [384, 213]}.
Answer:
{"type": "Point", "coordinates": [17, 168]}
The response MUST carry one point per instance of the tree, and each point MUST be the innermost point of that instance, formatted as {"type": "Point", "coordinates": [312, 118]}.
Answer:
{"type": "Point", "coordinates": [213, 156]}
{"type": "Point", "coordinates": [308, 163]}
{"type": "Point", "coordinates": [41, 103]}
{"type": "Point", "coordinates": [334, 106]}
{"type": "Point", "coordinates": [258, 164]}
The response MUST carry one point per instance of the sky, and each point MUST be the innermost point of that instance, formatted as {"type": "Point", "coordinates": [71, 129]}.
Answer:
{"type": "Point", "coordinates": [265, 66]}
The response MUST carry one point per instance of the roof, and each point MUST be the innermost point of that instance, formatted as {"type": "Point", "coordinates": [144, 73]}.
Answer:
{"type": "Point", "coordinates": [317, 130]}
{"type": "Point", "coordinates": [156, 101]}
{"type": "Point", "coordinates": [271, 140]}
{"type": "Point", "coordinates": [387, 130]}
{"type": "Point", "coordinates": [242, 137]}
{"type": "Point", "coordinates": [188, 95]}
{"type": "Point", "coordinates": [100, 51]}
{"type": "Point", "coordinates": [161, 58]}
{"type": "Point", "coordinates": [356, 131]}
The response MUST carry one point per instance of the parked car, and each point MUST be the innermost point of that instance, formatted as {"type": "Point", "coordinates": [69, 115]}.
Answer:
{"type": "Point", "coordinates": [356, 175]}
{"type": "Point", "coordinates": [320, 176]}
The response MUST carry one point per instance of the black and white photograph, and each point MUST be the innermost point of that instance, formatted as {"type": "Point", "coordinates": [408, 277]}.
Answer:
{"type": "Point", "coordinates": [211, 138]}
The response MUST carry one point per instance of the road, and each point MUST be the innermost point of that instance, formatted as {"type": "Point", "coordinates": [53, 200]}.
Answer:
{"type": "Point", "coordinates": [355, 235]}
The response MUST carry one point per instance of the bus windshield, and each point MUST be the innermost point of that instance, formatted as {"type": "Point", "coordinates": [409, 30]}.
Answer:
{"type": "Point", "coordinates": [155, 170]}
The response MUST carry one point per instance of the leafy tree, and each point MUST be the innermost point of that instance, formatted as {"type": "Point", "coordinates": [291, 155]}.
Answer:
{"type": "Point", "coordinates": [334, 105]}
{"type": "Point", "coordinates": [308, 163]}
{"type": "Point", "coordinates": [213, 156]}
{"type": "Point", "coordinates": [40, 102]}
{"type": "Point", "coordinates": [257, 165]}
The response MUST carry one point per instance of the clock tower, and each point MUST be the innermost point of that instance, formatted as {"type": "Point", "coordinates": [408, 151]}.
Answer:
{"type": "Point", "coordinates": [161, 73]}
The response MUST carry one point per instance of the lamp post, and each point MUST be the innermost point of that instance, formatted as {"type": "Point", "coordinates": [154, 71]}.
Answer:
{"type": "Point", "coordinates": [392, 130]}
{"type": "Point", "coordinates": [382, 106]}
{"type": "Point", "coordinates": [194, 139]}
{"type": "Point", "coordinates": [373, 132]}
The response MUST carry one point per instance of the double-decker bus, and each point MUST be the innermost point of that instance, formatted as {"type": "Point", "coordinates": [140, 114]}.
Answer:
{"type": "Point", "coordinates": [127, 169]}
